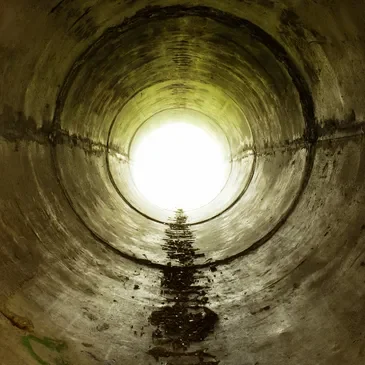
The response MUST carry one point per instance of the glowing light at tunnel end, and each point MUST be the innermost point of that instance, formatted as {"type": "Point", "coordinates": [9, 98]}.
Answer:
{"type": "Point", "coordinates": [179, 165]}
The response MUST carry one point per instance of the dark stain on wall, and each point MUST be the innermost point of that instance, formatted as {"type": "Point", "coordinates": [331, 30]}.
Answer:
{"type": "Point", "coordinates": [16, 126]}
{"type": "Point", "coordinates": [57, 6]}
{"type": "Point", "coordinates": [20, 322]}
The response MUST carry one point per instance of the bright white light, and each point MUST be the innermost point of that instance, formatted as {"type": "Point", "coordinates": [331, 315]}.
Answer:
{"type": "Point", "coordinates": [179, 165]}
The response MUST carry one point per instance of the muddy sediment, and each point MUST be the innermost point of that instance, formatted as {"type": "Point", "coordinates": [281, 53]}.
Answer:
{"type": "Point", "coordinates": [185, 318]}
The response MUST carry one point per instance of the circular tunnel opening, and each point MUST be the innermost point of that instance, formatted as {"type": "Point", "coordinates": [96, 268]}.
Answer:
{"type": "Point", "coordinates": [176, 163]}
{"type": "Point", "coordinates": [248, 94]}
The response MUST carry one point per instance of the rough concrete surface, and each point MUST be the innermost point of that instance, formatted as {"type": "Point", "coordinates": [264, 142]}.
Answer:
{"type": "Point", "coordinates": [270, 272]}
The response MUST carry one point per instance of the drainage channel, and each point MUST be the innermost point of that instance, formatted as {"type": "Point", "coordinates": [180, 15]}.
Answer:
{"type": "Point", "coordinates": [184, 320]}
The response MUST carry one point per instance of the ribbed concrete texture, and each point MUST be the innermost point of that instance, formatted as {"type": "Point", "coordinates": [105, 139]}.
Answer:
{"type": "Point", "coordinates": [271, 272]}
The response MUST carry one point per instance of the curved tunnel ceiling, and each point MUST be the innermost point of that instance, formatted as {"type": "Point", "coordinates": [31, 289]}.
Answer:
{"type": "Point", "coordinates": [270, 271]}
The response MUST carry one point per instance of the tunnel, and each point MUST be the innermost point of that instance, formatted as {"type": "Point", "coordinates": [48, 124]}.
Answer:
{"type": "Point", "coordinates": [269, 270]}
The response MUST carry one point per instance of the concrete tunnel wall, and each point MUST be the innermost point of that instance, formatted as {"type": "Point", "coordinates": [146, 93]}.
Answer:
{"type": "Point", "coordinates": [81, 258]}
